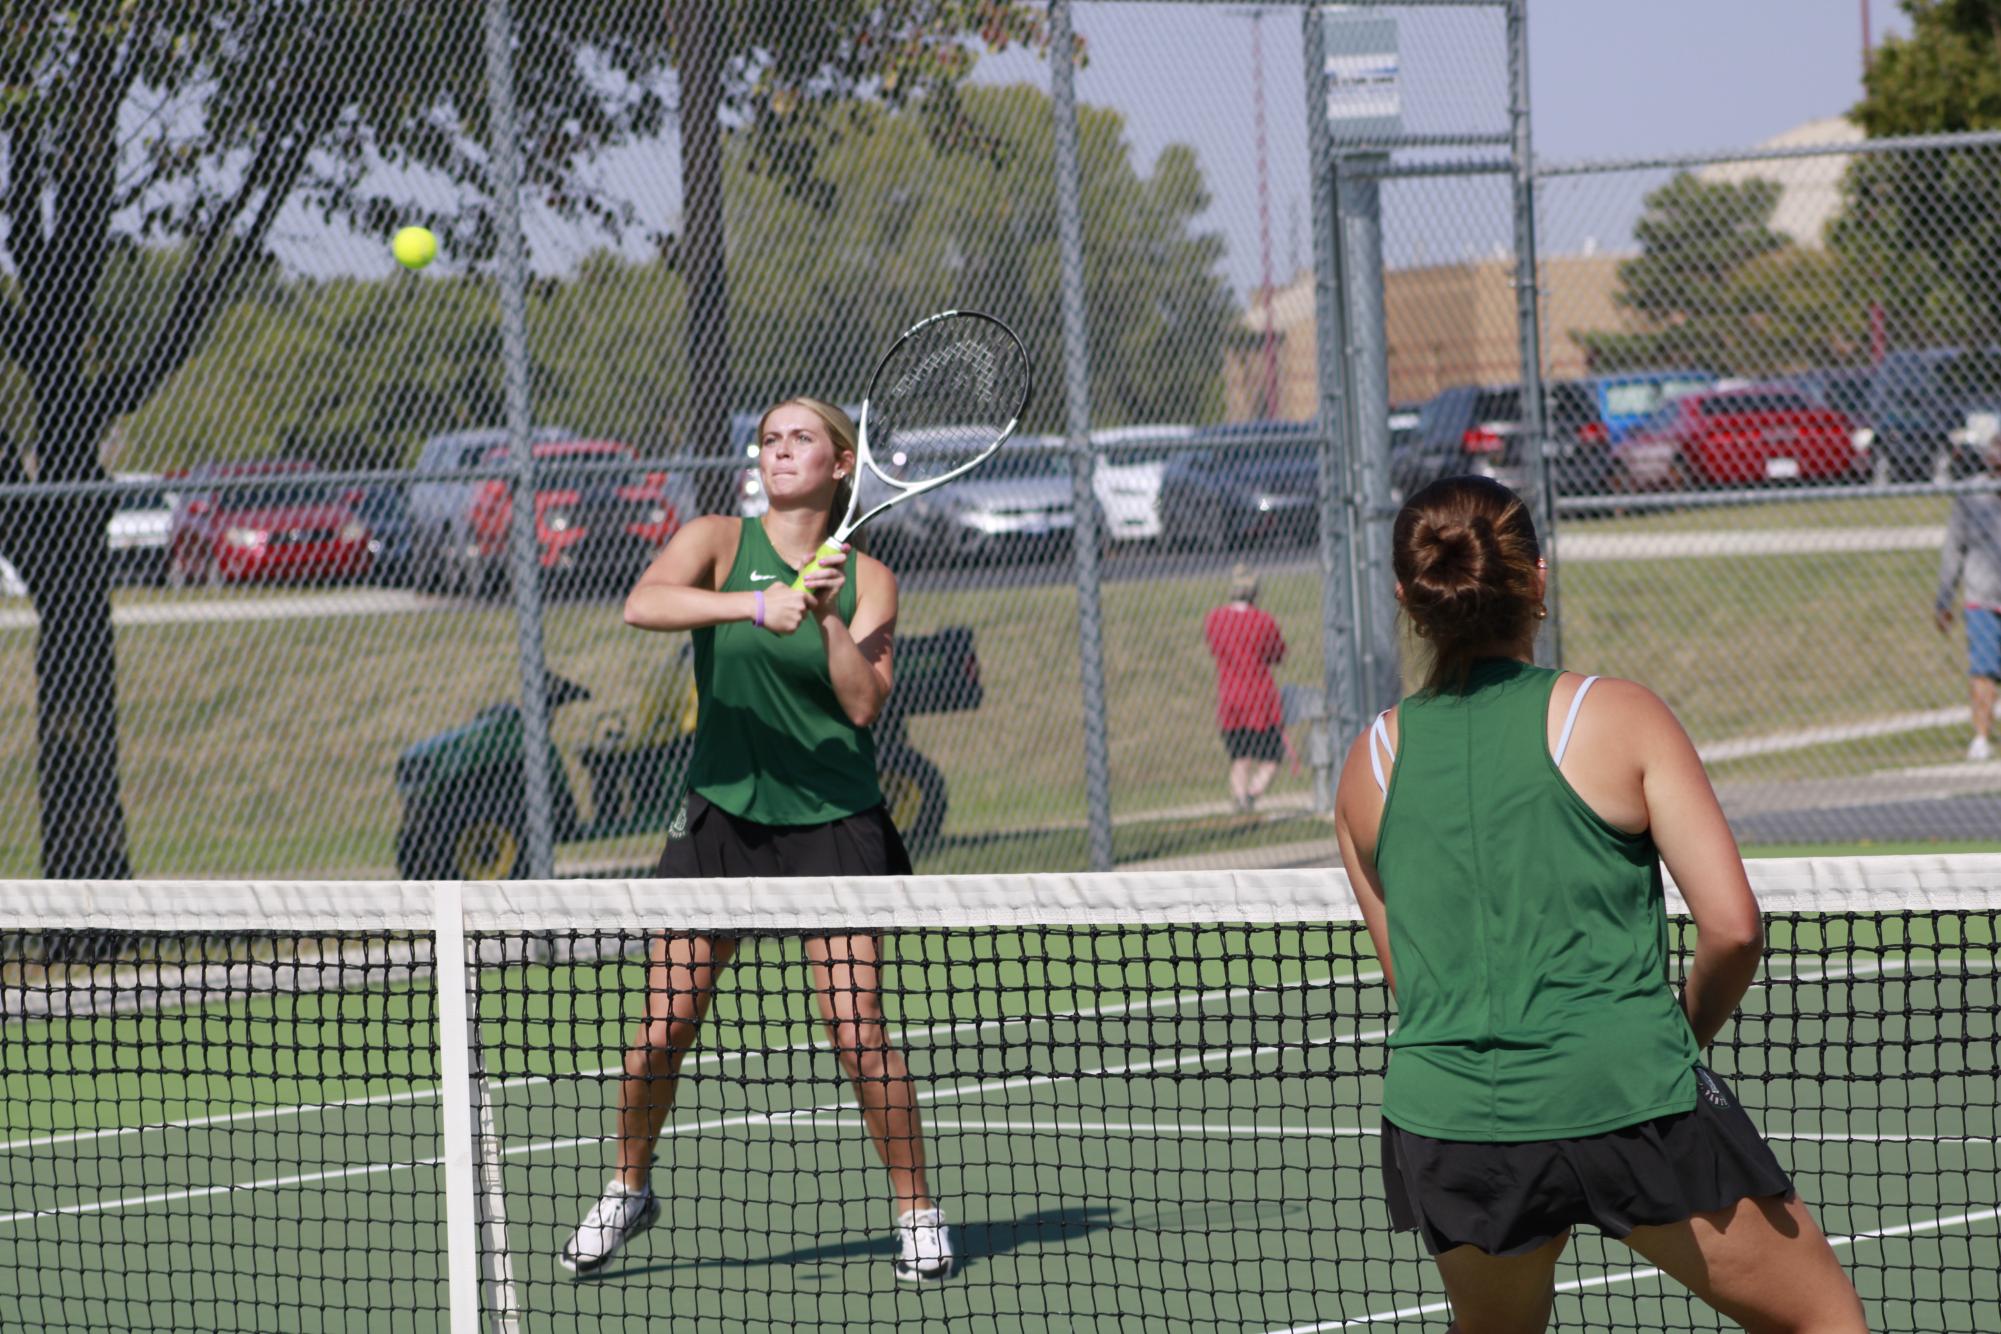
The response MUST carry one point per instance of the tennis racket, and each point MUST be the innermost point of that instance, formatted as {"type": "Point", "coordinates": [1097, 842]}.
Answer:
{"type": "Point", "coordinates": [947, 394]}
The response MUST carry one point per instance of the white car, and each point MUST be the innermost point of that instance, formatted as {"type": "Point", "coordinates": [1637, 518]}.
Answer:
{"type": "Point", "coordinates": [136, 536]}
{"type": "Point", "coordinates": [1127, 479]}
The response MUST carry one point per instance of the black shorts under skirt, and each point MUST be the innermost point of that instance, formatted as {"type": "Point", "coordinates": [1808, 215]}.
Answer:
{"type": "Point", "coordinates": [1254, 743]}
{"type": "Point", "coordinates": [1509, 1199]}
{"type": "Point", "coordinates": [712, 843]}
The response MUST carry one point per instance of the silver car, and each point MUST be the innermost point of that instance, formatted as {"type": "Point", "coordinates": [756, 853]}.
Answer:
{"type": "Point", "coordinates": [1017, 503]}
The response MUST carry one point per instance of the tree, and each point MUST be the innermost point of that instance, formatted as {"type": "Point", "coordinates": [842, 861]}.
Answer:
{"type": "Point", "coordinates": [371, 367]}
{"type": "Point", "coordinates": [197, 124]}
{"type": "Point", "coordinates": [1698, 241]}
{"type": "Point", "coordinates": [1925, 226]}
{"type": "Point", "coordinates": [784, 69]}
{"type": "Point", "coordinates": [980, 230]}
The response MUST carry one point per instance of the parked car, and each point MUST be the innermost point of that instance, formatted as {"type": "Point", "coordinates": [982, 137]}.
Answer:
{"type": "Point", "coordinates": [1625, 399]}
{"type": "Point", "coordinates": [1132, 461]}
{"type": "Point", "coordinates": [386, 511]}
{"type": "Point", "coordinates": [1742, 436]}
{"type": "Point", "coordinates": [596, 530]}
{"type": "Point", "coordinates": [1924, 402]}
{"type": "Point", "coordinates": [289, 524]}
{"type": "Point", "coordinates": [137, 535]}
{"type": "Point", "coordinates": [1403, 425]}
{"type": "Point", "coordinates": [1478, 429]}
{"type": "Point", "coordinates": [444, 555]}
{"type": "Point", "coordinates": [1845, 389]}
{"type": "Point", "coordinates": [1019, 505]}
{"type": "Point", "coordinates": [1254, 483]}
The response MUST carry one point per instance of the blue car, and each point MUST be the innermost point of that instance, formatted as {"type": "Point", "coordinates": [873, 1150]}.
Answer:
{"type": "Point", "coordinates": [1630, 397]}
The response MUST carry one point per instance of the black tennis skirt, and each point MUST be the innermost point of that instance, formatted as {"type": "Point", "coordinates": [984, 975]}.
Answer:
{"type": "Point", "coordinates": [707, 841]}
{"type": "Point", "coordinates": [1509, 1199]}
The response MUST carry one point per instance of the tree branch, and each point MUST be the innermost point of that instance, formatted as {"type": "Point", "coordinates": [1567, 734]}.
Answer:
{"type": "Point", "coordinates": [220, 258]}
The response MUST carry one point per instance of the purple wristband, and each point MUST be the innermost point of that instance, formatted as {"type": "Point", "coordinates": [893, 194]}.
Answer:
{"type": "Point", "coordinates": [758, 619]}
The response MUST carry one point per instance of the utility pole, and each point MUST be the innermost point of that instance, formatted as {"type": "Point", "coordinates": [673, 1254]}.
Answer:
{"type": "Point", "coordinates": [1267, 396]}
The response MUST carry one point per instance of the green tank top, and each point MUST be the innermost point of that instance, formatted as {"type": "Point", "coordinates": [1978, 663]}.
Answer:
{"type": "Point", "coordinates": [1529, 936]}
{"type": "Point", "coordinates": [771, 741]}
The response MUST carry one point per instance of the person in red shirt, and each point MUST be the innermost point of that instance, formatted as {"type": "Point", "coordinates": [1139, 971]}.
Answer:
{"type": "Point", "coordinates": [1246, 643]}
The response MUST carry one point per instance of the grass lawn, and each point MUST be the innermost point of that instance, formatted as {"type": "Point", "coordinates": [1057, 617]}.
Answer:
{"type": "Point", "coordinates": [267, 747]}
{"type": "Point", "coordinates": [1796, 509]}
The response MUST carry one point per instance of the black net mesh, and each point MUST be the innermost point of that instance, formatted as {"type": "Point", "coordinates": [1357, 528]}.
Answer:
{"type": "Point", "coordinates": [1158, 1120]}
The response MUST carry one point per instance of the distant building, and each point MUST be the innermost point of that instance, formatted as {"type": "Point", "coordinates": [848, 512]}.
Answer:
{"type": "Point", "coordinates": [1455, 323]}
{"type": "Point", "coordinates": [1447, 323]}
{"type": "Point", "coordinates": [1809, 187]}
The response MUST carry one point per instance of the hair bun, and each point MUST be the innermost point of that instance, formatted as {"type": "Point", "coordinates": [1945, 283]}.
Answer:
{"type": "Point", "coordinates": [1466, 556]}
{"type": "Point", "coordinates": [1455, 558]}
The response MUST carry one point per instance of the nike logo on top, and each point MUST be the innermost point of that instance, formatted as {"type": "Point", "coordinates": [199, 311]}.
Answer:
{"type": "Point", "coordinates": [755, 576]}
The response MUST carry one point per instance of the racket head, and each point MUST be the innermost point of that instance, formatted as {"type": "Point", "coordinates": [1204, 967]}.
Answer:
{"type": "Point", "coordinates": [945, 396]}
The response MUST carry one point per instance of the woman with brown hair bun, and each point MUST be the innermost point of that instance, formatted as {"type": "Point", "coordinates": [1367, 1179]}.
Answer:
{"type": "Point", "coordinates": [1504, 828]}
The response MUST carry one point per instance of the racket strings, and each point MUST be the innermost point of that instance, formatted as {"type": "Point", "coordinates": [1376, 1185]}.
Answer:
{"type": "Point", "coordinates": [951, 394]}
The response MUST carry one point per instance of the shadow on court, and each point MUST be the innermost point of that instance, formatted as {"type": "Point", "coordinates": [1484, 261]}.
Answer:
{"type": "Point", "coordinates": [975, 1242]}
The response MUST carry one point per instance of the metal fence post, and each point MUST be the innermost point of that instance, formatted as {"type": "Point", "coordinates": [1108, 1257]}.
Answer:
{"type": "Point", "coordinates": [1521, 153]}
{"type": "Point", "coordinates": [1077, 428]}
{"type": "Point", "coordinates": [1338, 574]}
{"type": "Point", "coordinates": [523, 563]}
{"type": "Point", "coordinates": [1365, 367]}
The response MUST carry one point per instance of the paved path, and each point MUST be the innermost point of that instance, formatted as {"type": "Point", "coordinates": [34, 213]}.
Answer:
{"type": "Point", "coordinates": [1590, 546]}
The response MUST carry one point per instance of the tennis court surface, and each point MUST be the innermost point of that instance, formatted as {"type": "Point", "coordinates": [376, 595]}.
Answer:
{"type": "Point", "coordinates": [1149, 1103]}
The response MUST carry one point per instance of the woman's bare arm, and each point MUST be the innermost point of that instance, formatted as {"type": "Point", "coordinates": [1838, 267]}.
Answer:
{"type": "Point", "coordinates": [861, 655]}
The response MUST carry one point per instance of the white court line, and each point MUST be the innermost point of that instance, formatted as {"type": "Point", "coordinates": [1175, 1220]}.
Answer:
{"type": "Point", "coordinates": [704, 1059]}
{"type": "Point", "coordinates": [1955, 965]}
{"type": "Point", "coordinates": [1160, 1129]}
{"type": "Point", "coordinates": [672, 1129]}
{"type": "Point", "coordinates": [700, 1060]}
{"type": "Point", "coordinates": [1641, 1274]}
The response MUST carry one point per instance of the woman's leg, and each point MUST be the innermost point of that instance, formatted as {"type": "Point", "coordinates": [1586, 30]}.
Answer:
{"type": "Point", "coordinates": [1501, 1294]}
{"type": "Point", "coordinates": [1262, 772]}
{"type": "Point", "coordinates": [1240, 783]}
{"type": "Point", "coordinates": [680, 983]}
{"type": "Point", "coordinates": [847, 979]}
{"type": "Point", "coordinates": [1763, 1263]}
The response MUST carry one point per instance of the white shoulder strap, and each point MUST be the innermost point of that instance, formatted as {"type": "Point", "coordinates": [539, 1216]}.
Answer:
{"type": "Point", "coordinates": [1570, 720]}
{"type": "Point", "coordinates": [1381, 733]}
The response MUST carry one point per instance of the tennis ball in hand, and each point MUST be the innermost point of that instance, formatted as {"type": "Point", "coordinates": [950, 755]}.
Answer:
{"type": "Point", "coordinates": [415, 247]}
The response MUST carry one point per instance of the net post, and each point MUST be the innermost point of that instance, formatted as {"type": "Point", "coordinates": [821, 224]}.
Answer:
{"type": "Point", "coordinates": [496, 1260]}
{"type": "Point", "coordinates": [455, 1112]}
{"type": "Point", "coordinates": [475, 1206]}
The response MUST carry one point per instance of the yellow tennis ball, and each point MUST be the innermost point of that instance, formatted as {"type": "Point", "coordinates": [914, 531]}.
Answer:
{"type": "Point", "coordinates": [415, 247]}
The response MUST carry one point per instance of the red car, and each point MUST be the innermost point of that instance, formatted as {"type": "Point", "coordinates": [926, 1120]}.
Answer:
{"type": "Point", "coordinates": [597, 529]}
{"type": "Point", "coordinates": [283, 524]}
{"type": "Point", "coordinates": [1741, 437]}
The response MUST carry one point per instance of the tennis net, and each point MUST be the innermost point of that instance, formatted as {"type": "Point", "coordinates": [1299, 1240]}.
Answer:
{"type": "Point", "coordinates": [1148, 1101]}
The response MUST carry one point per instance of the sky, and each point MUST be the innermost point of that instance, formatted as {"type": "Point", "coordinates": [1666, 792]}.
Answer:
{"type": "Point", "coordinates": [1608, 79]}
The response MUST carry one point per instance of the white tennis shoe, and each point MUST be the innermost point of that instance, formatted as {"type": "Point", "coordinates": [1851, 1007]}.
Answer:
{"type": "Point", "coordinates": [923, 1246]}
{"type": "Point", "coordinates": [1979, 750]}
{"type": "Point", "coordinates": [618, 1216]}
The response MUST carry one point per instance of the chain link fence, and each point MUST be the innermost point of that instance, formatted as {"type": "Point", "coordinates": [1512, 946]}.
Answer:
{"type": "Point", "coordinates": [278, 603]}
{"type": "Point", "coordinates": [1779, 376]}
{"type": "Point", "coordinates": [293, 571]}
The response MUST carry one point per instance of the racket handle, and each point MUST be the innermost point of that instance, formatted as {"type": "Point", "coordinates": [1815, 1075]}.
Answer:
{"type": "Point", "coordinates": [827, 548]}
